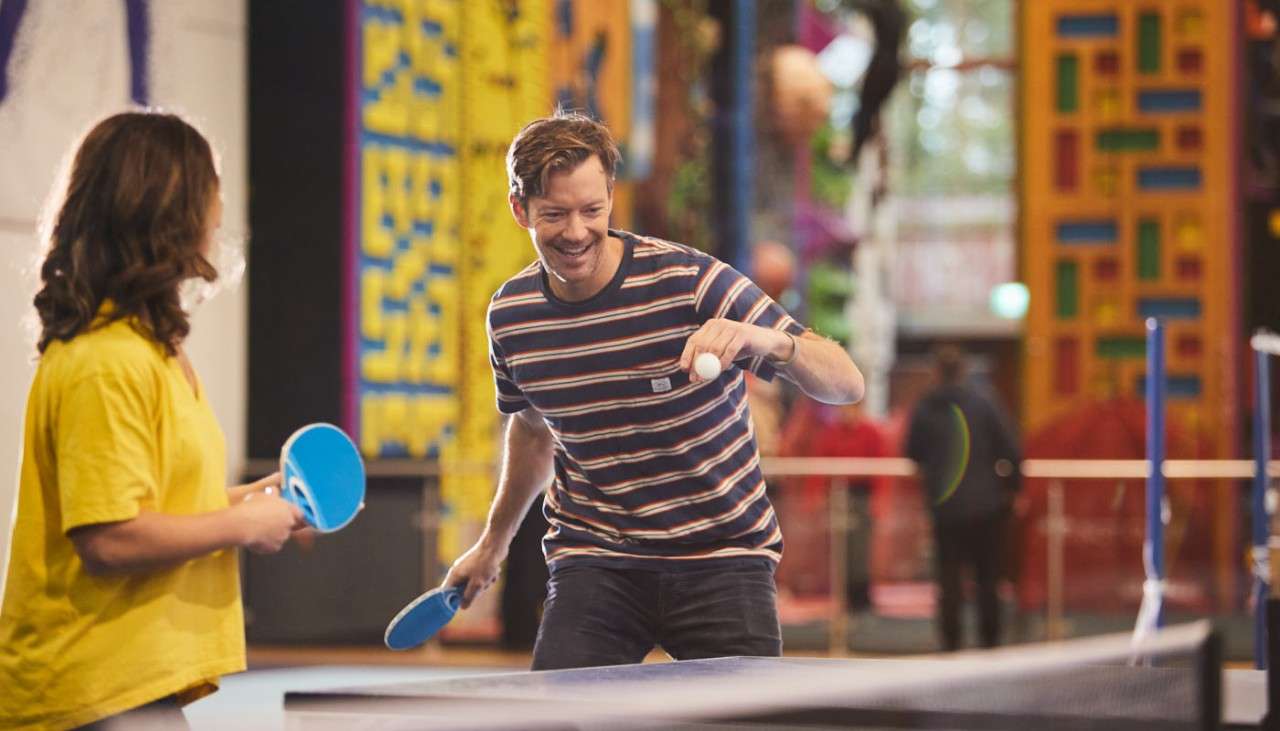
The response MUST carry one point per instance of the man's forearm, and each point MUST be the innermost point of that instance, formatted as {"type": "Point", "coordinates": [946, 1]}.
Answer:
{"type": "Point", "coordinates": [527, 466]}
{"type": "Point", "coordinates": [822, 369]}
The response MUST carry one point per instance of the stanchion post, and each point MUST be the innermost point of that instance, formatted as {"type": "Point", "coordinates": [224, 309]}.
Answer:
{"type": "Point", "coordinates": [838, 629]}
{"type": "Point", "coordinates": [1056, 528]}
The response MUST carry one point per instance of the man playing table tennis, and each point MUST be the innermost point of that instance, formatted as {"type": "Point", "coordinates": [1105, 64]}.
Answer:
{"type": "Point", "coordinates": [661, 533]}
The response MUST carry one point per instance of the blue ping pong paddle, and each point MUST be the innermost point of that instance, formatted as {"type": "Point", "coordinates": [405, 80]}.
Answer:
{"type": "Point", "coordinates": [322, 473]}
{"type": "Point", "coordinates": [423, 617]}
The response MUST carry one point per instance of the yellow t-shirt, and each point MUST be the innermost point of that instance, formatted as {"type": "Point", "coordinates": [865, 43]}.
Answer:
{"type": "Point", "coordinates": [112, 428]}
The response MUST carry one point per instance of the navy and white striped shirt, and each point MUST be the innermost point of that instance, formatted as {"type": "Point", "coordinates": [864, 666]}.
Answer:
{"type": "Point", "coordinates": [648, 466]}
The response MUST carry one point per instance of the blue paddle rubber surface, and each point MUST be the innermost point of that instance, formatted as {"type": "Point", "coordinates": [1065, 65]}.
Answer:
{"type": "Point", "coordinates": [423, 618]}
{"type": "Point", "coordinates": [323, 474]}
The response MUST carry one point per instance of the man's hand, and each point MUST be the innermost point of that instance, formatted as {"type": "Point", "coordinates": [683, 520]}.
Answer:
{"type": "Point", "coordinates": [475, 570]}
{"type": "Point", "coordinates": [729, 339]}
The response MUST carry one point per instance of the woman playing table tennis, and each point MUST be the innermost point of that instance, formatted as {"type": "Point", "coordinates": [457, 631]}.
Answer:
{"type": "Point", "coordinates": [121, 595]}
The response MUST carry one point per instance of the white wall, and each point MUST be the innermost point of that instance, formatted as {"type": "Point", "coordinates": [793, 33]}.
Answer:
{"type": "Point", "coordinates": [70, 68]}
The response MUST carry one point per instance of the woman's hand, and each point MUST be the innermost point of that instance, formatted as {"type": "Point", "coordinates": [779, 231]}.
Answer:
{"type": "Point", "coordinates": [267, 485]}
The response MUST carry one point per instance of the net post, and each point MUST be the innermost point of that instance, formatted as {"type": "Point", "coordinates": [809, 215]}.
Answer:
{"type": "Point", "coordinates": [1151, 614]}
{"type": "Point", "coordinates": [1260, 519]}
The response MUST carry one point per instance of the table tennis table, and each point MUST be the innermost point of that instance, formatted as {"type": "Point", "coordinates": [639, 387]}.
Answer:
{"type": "Point", "coordinates": [977, 691]}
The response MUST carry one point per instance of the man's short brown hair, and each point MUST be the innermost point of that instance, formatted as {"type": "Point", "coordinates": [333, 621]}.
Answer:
{"type": "Point", "coordinates": [556, 144]}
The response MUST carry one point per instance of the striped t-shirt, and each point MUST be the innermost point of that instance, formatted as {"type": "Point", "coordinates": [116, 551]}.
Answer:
{"type": "Point", "coordinates": [650, 469]}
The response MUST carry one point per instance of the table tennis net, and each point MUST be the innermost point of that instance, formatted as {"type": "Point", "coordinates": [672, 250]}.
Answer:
{"type": "Point", "coordinates": [1080, 684]}
{"type": "Point", "coordinates": [1172, 682]}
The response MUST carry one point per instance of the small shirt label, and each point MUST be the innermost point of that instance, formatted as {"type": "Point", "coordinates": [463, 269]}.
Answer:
{"type": "Point", "coordinates": [661, 385]}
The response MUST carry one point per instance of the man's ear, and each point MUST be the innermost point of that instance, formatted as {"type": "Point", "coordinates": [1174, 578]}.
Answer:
{"type": "Point", "coordinates": [518, 211]}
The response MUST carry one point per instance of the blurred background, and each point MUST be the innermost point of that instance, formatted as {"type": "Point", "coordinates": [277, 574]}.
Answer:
{"type": "Point", "coordinates": [1028, 181]}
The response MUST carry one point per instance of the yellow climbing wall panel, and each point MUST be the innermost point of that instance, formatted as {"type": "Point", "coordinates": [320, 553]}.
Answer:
{"type": "Point", "coordinates": [443, 86]}
{"type": "Point", "coordinates": [407, 343]}
{"type": "Point", "coordinates": [504, 84]}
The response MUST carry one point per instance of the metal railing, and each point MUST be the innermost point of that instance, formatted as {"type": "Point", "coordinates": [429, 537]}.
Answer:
{"type": "Point", "coordinates": [844, 470]}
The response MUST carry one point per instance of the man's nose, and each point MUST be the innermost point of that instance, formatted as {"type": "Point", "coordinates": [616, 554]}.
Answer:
{"type": "Point", "coordinates": [575, 228]}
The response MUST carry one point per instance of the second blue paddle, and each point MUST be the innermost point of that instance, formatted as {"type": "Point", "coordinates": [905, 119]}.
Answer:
{"type": "Point", "coordinates": [423, 618]}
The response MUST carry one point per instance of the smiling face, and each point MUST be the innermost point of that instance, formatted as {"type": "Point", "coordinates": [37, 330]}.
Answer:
{"type": "Point", "coordinates": [569, 226]}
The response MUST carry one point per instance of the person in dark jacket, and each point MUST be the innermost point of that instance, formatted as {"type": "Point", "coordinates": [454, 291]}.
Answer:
{"type": "Point", "coordinates": [967, 457]}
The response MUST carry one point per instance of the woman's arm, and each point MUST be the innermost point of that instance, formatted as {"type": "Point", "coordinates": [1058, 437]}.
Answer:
{"type": "Point", "coordinates": [154, 541]}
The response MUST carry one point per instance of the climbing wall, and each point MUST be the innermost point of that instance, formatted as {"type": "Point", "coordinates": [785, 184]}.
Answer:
{"type": "Point", "coordinates": [1127, 193]}
{"type": "Point", "coordinates": [1127, 190]}
{"type": "Point", "coordinates": [440, 89]}
{"type": "Point", "coordinates": [505, 85]}
{"type": "Point", "coordinates": [405, 348]}
{"type": "Point", "coordinates": [593, 70]}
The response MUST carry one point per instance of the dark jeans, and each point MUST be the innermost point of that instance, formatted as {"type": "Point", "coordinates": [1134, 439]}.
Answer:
{"type": "Point", "coordinates": [978, 544]}
{"type": "Point", "coordinates": [600, 616]}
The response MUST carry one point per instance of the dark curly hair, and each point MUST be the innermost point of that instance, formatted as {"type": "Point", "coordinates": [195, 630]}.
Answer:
{"type": "Point", "coordinates": [130, 226]}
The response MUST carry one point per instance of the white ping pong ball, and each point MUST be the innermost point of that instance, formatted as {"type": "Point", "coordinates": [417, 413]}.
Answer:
{"type": "Point", "coordinates": [707, 366]}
